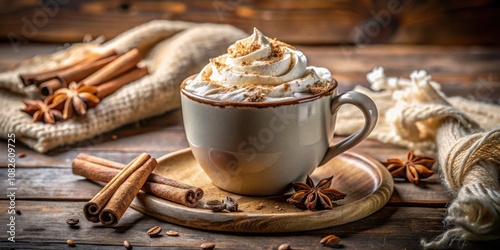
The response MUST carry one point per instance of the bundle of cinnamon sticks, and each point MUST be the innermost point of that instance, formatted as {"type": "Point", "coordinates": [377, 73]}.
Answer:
{"type": "Point", "coordinates": [124, 182]}
{"type": "Point", "coordinates": [75, 88]}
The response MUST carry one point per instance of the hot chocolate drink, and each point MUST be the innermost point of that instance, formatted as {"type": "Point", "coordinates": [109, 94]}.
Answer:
{"type": "Point", "coordinates": [259, 69]}
{"type": "Point", "coordinates": [258, 118]}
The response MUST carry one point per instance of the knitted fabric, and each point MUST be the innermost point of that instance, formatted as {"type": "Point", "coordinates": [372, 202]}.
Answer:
{"type": "Point", "coordinates": [463, 134]}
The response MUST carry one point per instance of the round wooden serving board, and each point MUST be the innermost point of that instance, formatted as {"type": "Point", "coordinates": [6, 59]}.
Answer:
{"type": "Point", "coordinates": [366, 182]}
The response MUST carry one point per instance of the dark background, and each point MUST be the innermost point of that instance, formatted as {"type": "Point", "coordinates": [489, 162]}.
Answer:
{"type": "Point", "coordinates": [457, 22]}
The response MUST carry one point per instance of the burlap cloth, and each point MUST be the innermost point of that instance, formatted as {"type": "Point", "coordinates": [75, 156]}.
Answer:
{"type": "Point", "coordinates": [173, 51]}
{"type": "Point", "coordinates": [464, 135]}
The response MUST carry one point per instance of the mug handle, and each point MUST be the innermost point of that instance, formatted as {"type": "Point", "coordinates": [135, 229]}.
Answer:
{"type": "Point", "coordinates": [367, 106]}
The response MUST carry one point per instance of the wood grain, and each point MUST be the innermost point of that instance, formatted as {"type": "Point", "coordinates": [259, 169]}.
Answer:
{"type": "Point", "coordinates": [48, 196]}
{"type": "Point", "coordinates": [362, 22]}
{"type": "Point", "coordinates": [42, 225]}
{"type": "Point", "coordinates": [467, 71]}
{"type": "Point", "coordinates": [52, 184]}
{"type": "Point", "coordinates": [367, 183]}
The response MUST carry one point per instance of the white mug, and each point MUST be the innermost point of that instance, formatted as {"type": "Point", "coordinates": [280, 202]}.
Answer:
{"type": "Point", "coordinates": [259, 148]}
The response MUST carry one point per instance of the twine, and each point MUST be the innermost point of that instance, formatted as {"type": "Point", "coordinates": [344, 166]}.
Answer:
{"type": "Point", "coordinates": [460, 132]}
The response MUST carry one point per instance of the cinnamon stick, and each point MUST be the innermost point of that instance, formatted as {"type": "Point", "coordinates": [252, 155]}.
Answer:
{"type": "Point", "coordinates": [100, 161]}
{"type": "Point", "coordinates": [111, 86]}
{"type": "Point", "coordinates": [99, 169]}
{"type": "Point", "coordinates": [49, 87]}
{"type": "Point", "coordinates": [40, 77]}
{"type": "Point", "coordinates": [109, 204]}
{"type": "Point", "coordinates": [78, 73]}
{"type": "Point", "coordinates": [119, 66]}
{"type": "Point", "coordinates": [93, 171]}
{"type": "Point", "coordinates": [37, 78]}
{"type": "Point", "coordinates": [74, 74]}
{"type": "Point", "coordinates": [127, 191]}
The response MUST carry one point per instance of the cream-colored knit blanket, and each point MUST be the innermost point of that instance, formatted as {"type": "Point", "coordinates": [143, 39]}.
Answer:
{"type": "Point", "coordinates": [173, 51]}
{"type": "Point", "coordinates": [464, 135]}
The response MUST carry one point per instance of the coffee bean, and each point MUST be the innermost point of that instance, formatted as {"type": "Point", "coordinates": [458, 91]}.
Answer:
{"type": "Point", "coordinates": [284, 247]}
{"type": "Point", "coordinates": [154, 231]}
{"type": "Point", "coordinates": [127, 245]}
{"type": "Point", "coordinates": [18, 212]}
{"type": "Point", "coordinates": [207, 246]}
{"type": "Point", "coordinates": [172, 233]}
{"type": "Point", "coordinates": [71, 243]}
{"type": "Point", "coordinates": [215, 205]}
{"type": "Point", "coordinates": [330, 241]}
{"type": "Point", "coordinates": [231, 204]}
{"type": "Point", "coordinates": [72, 221]}
{"type": "Point", "coordinates": [21, 155]}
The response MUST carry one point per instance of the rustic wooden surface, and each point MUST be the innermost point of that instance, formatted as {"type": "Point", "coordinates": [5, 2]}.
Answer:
{"type": "Point", "coordinates": [459, 22]}
{"type": "Point", "coordinates": [365, 181]}
{"type": "Point", "coordinates": [48, 193]}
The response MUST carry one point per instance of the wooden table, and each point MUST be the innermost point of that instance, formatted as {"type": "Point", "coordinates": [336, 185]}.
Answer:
{"type": "Point", "coordinates": [48, 193]}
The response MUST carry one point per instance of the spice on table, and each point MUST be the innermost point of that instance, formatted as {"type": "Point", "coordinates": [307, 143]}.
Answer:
{"type": "Point", "coordinates": [330, 241]}
{"type": "Point", "coordinates": [215, 205]}
{"type": "Point", "coordinates": [73, 74]}
{"type": "Point", "coordinates": [21, 155]}
{"type": "Point", "coordinates": [231, 204]}
{"type": "Point", "coordinates": [154, 231]}
{"type": "Point", "coordinates": [172, 233]}
{"type": "Point", "coordinates": [72, 221]}
{"type": "Point", "coordinates": [99, 169]}
{"type": "Point", "coordinates": [46, 111]}
{"type": "Point", "coordinates": [107, 88]}
{"type": "Point", "coordinates": [117, 67]}
{"type": "Point", "coordinates": [109, 205]}
{"type": "Point", "coordinates": [415, 167]}
{"type": "Point", "coordinates": [71, 243]}
{"type": "Point", "coordinates": [18, 212]}
{"type": "Point", "coordinates": [77, 98]}
{"type": "Point", "coordinates": [82, 85]}
{"type": "Point", "coordinates": [284, 247]}
{"type": "Point", "coordinates": [40, 77]}
{"type": "Point", "coordinates": [228, 203]}
{"type": "Point", "coordinates": [207, 246]}
{"type": "Point", "coordinates": [127, 245]}
{"type": "Point", "coordinates": [308, 196]}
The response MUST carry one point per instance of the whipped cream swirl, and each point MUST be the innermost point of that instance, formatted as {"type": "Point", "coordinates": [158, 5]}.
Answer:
{"type": "Point", "coordinates": [259, 69]}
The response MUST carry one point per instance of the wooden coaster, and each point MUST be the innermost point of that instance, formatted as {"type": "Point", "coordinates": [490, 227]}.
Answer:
{"type": "Point", "coordinates": [366, 182]}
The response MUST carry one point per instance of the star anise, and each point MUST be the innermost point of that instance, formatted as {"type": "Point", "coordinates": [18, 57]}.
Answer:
{"type": "Point", "coordinates": [47, 111]}
{"type": "Point", "coordinates": [415, 167]}
{"type": "Point", "coordinates": [77, 97]}
{"type": "Point", "coordinates": [308, 196]}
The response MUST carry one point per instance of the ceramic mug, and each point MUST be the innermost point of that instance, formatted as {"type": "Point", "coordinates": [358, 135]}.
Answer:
{"type": "Point", "coordinates": [260, 148]}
